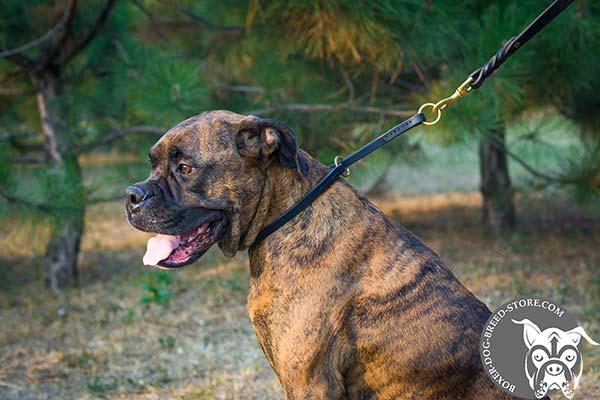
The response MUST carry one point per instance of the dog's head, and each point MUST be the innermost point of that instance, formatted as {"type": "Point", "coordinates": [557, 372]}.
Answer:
{"type": "Point", "coordinates": [205, 185]}
{"type": "Point", "coordinates": [553, 361]}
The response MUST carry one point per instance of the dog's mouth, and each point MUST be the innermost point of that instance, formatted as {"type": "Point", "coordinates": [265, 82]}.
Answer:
{"type": "Point", "coordinates": [175, 251]}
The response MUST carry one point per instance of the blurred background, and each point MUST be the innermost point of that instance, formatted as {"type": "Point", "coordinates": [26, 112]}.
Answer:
{"type": "Point", "coordinates": [506, 188]}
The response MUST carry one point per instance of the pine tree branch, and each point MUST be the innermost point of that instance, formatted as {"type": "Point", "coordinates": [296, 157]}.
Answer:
{"type": "Point", "coordinates": [64, 34]}
{"type": "Point", "coordinates": [420, 74]}
{"type": "Point", "coordinates": [31, 159]}
{"type": "Point", "coordinates": [118, 134]}
{"type": "Point", "coordinates": [199, 20]}
{"type": "Point", "coordinates": [538, 174]}
{"type": "Point", "coordinates": [105, 139]}
{"type": "Point", "coordinates": [159, 31]}
{"type": "Point", "coordinates": [44, 207]}
{"type": "Point", "coordinates": [240, 88]}
{"type": "Point", "coordinates": [348, 83]}
{"type": "Point", "coordinates": [73, 50]}
{"type": "Point", "coordinates": [332, 107]}
{"type": "Point", "coordinates": [12, 91]}
{"type": "Point", "coordinates": [22, 60]}
{"type": "Point", "coordinates": [44, 38]}
{"type": "Point", "coordinates": [578, 17]}
{"type": "Point", "coordinates": [23, 147]}
{"type": "Point", "coordinates": [7, 136]}
{"type": "Point", "coordinates": [394, 79]}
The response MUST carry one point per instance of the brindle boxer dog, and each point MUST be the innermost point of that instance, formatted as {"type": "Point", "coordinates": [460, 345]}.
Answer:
{"type": "Point", "coordinates": [346, 303]}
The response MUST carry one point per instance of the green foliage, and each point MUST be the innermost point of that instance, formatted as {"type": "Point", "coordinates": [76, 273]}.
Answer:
{"type": "Point", "coordinates": [162, 90]}
{"type": "Point", "coordinates": [83, 360]}
{"type": "Point", "coordinates": [156, 288]}
{"type": "Point", "coordinates": [101, 386]}
{"type": "Point", "coordinates": [583, 173]}
{"type": "Point", "coordinates": [166, 342]}
{"type": "Point", "coordinates": [128, 317]}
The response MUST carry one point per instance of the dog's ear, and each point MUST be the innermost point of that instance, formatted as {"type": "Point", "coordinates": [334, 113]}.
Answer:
{"type": "Point", "coordinates": [530, 331]}
{"type": "Point", "coordinates": [576, 334]}
{"type": "Point", "coordinates": [263, 139]}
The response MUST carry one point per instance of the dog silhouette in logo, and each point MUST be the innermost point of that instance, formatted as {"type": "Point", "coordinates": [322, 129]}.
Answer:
{"type": "Point", "coordinates": [553, 361]}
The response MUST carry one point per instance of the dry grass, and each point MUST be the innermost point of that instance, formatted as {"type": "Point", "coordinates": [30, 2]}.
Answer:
{"type": "Point", "coordinates": [193, 339]}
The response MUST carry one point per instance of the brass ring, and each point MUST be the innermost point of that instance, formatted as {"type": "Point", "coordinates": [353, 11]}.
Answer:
{"type": "Point", "coordinates": [437, 118]}
{"type": "Point", "coordinates": [336, 161]}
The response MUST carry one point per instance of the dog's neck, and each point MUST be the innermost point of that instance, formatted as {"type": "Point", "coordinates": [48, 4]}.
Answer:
{"type": "Point", "coordinates": [312, 233]}
{"type": "Point", "coordinates": [281, 189]}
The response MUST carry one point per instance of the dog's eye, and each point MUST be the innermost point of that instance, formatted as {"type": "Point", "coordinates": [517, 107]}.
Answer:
{"type": "Point", "coordinates": [184, 169]}
{"type": "Point", "coordinates": [569, 355]}
{"type": "Point", "coordinates": [538, 355]}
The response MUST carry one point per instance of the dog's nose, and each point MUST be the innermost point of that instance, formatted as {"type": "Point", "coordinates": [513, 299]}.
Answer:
{"type": "Point", "coordinates": [554, 369]}
{"type": "Point", "coordinates": [136, 195]}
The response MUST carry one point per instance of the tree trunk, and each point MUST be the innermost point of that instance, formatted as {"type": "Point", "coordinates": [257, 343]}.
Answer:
{"type": "Point", "coordinates": [62, 250]}
{"type": "Point", "coordinates": [67, 186]}
{"type": "Point", "coordinates": [498, 207]}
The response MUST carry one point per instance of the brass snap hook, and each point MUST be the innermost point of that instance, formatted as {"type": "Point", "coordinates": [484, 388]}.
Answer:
{"type": "Point", "coordinates": [460, 91]}
{"type": "Point", "coordinates": [336, 161]}
{"type": "Point", "coordinates": [441, 105]}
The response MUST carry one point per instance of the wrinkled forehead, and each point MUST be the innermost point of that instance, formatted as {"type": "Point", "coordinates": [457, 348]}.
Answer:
{"type": "Point", "coordinates": [548, 336]}
{"type": "Point", "coordinates": [208, 133]}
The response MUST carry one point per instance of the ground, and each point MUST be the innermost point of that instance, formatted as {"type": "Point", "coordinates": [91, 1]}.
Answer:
{"type": "Point", "coordinates": [131, 332]}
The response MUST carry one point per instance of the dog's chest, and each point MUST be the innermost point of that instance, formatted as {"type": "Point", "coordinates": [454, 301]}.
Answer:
{"type": "Point", "coordinates": [292, 316]}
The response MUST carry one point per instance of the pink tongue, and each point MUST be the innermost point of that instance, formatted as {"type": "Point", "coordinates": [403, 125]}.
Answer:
{"type": "Point", "coordinates": [159, 248]}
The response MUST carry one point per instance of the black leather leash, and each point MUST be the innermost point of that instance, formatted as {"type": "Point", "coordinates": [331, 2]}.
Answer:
{"type": "Point", "coordinates": [475, 80]}
{"type": "Point", "coordinates": [516, 42]}
{"type": "Point", "coordinates": [341, 167]}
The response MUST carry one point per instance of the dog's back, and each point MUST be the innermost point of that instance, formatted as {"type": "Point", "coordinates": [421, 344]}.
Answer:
{"type": "Point", "coordinates": [413, 330]}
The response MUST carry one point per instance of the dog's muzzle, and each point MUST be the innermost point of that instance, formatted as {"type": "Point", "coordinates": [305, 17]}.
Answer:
{"type": "Point", "coordinates": [554, 375]}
